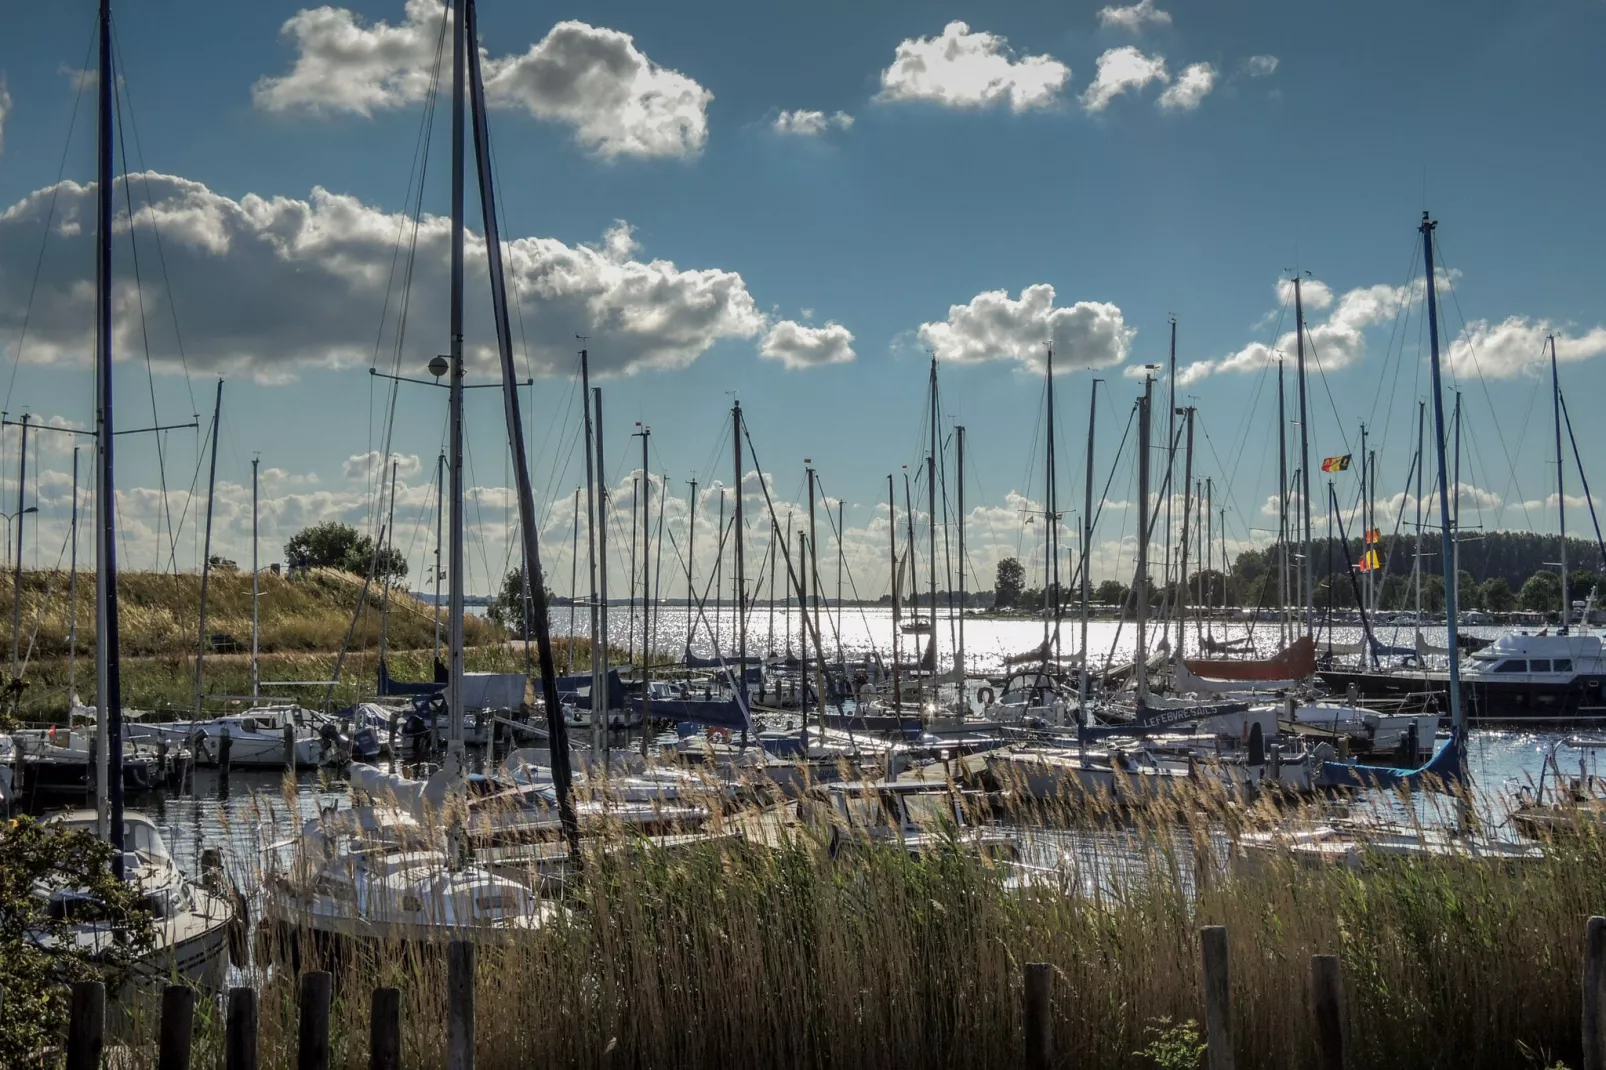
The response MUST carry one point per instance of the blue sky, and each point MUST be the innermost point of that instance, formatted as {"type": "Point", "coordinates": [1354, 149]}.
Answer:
{"type": "Point", "coordinates": [665, 197]}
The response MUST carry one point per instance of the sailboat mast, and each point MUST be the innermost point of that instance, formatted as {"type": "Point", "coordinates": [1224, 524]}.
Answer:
{"type": "Point", "coordinates": [1140, 588]}
{"type": "Point", "coordinates": [256, 592]}
{"type": "Point", "coordinates": [599, 714]}
{"type": "Point", "coordinates": [206, 551]}
{"type": "Point", "coordinates": [691, 546]}
{"type": "Point", "coordinates": [1187, 516]}
{"type": "Point", "coordinates": [16, 571]}
{"type": "Point", "coordinates": [1210, 545]}
{"type": "Point", "coordinates": [1087, 546]}
{"type": "Point", "coordinates": [897, 577]}
{"type": "Point", "coordinates": [646, 590]}
{"type": "Point", "coordinates": [841, 554]}
{"type": "Point", "coordinates": [741, 573]}
{"type": "Point", "coordinates": [1421, 461]}
{"type": "Point", "coordinates": [591, 532]}
{"type": "Point", "coordinates": [1444, 501]}
{"type": "Point", "coordinates": [1366, 524]}
{"type": "Point", "coordinates": [108, 670]}
{"type": "Point", "coordinates": [931, 507]}
{"type": "Point", "coordinates": [959, 645]}
{"type": "Point", "coordinates": [72, 599]}
{"type": "Point", "coordinates": [1561, 486]}
{"type": "Point", "coordinates": [574, 578]}
{"type": "Point", "coordinates": [440, 522]}
{"type": "Point", "coordinates": [1309, 568]}
{"type": "Point", "coordinates": [1170, 466]}
{"type": "Point", "coordinates": [389, 543]}
{"type": "Point", "coordinates": [1282, 505]}
{"type": "Point", "coordinates": [812, 564]}
{"type": "Point", "coordinates": [454, 463]}
{"type": "Point", "coordinates": [1048, 499]}
{"type": "Point", "coordinates": [1455, 489]}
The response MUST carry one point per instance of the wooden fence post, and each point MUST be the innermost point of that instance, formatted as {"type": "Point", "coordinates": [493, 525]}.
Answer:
{"type": "Point", "coordinates": [86, 1025]}
{"type": "Point", "coordinates": [384, 1030]}
{"type": "Point", "coordinates": [1039, 1001]}
{"type": "Point", "coordinates": [177, 1028]}
{"type": "Point", "coordinates": [460, 1005]}
{"type": "Point", "coordinates": [312, 1049]}
{"type": "Point", "coordinates": [1327, 1010]}
{"type": "Point", "coordinates": [1217, 998]}
{"type": "Point", "coordinates": [1594, 1019]}
{"type": "Point", "coordinates": [240, 1036]}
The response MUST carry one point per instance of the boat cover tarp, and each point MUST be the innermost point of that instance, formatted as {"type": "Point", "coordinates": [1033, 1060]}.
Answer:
{"type": "Point", "coordinates": [1186, 681]}
{"type": "Point", "coordinates": [1295, 662]}
{"type": "Point", "coordinates": [389, 686]}
{"type": "Point", "coordinates": [571, 685]}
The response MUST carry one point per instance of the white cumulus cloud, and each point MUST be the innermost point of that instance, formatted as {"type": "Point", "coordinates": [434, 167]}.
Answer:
{"type": "Point", "coordinates": [1121, 70]}
{"type": "Point", "coordinates": [371, 464]}
{"type": "Point", "coordinates": [810, 123]}
{"type": "Point", "coordinates": [797, 346]}
{"type": "Point", "coordinates": [994, 326]}
{"type": "Point", "coordinates": [265, 285]}
{"type": "Point", "coordinates": [595, 80]}
{"type": "Point", "coordinates": [962, 69]}
{"type": "Point", "coordinates": [1134, 17]}
{"type": "Point", "coordinates": [1260, 66]}
{"type": "Point", "coordinates": [1518, 345]}
{"type": "Point", "coordinates": [1189, 90]}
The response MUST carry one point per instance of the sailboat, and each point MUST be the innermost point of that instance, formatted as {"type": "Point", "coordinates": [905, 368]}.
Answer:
{"type": "Point", "coordinates": [386, 869]}
{"type": "Point", "coordinates": [191, 924]}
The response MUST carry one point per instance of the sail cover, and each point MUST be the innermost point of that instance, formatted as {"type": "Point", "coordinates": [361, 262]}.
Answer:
{"type": "Point", "coordinates": [1295, 662]}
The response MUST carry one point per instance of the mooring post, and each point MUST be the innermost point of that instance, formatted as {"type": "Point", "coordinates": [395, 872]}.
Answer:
{"type": "Point", "coordinates": [1217, 997]}
{"type": "Point", "coordinates": [86, 1025]}
{"type": "Point", "coordinates": [460, 1005]}
{"type": "Point", "coordinates": [290, 746]}
{"type": "Point", "coordinates": [1039, 1001]}
{"type": "Point", "coordinates": [1595, 994]}
{"type": "Point", "coordinates": [1327, 1010]}
{"type": "Point", "coordinates": [177, 1027]}
{"type": "Point", "coordinates": [312, 1050]}
{"type": "Point", "coordinates": [384, 1030]}
{"type": "Point", "coordinates": [240, 1035]}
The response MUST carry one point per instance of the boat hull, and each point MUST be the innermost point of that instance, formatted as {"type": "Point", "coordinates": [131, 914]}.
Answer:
{"type": "Point", "coordinates": [1581, 700]}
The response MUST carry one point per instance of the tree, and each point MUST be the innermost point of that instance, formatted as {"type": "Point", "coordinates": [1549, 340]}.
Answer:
{"type": "Point", "coordinates": [1111, 593]}
{"type": "Point", "coordinates": [1008, 583]}
{"type": "Point", "coordinates": [39, 959]}
{"type": "Point", "coordinates": [1468, 594]}
{"type": "Point", "coordinates": [1497, 596]}
{"type": "Point", "coordinates": [336, 545]}
{"type": "Point", "coordinates": [1542, 593]}
{"type": "Point", "coordinates": [508, 609]}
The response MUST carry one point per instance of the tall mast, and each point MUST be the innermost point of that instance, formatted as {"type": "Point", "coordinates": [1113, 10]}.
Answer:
{"type": "Point", "coordinates": [741, 572]}
{"type": "Point", "coordinates": [529, 523]}
{"type": "Point", "coordinates": [440, 522]}
{"type": "Point", "coordinates": [1170, 465]}
{"type": "Point", "coordinates": [591, 534]}
{"type": "Point", "coordinates": [812, 562]}
{"type": "Point", "coordinates": [1444, 501]}
{"type": "Point", "coordinates": [959, 645]}
{"type": "Point", "coordinates": [1421, 461]}
{"type": "Point", "coordinates": [1140, 587]}
{"type": "Point", "coordinates": [16, 571]}
{"type": "Point", "coordinates": [574, 579]}
{"type": "Point", "coordinates": [931, 507]}
{"type": "Point", "coordinates": [599, 715]}
{"type": "Point", "coordinates": [631, 572]}
{"type": "Point", "coordinates": [206, 551]}
{"type": "Point", "coordinates": [389, 542]}
{"type": "Point", "coordinates": [256, 592]}
{"type": "Point", "coordinates": [1187, 515]}
{"type": "Point", "coordinates": [1210, 544]}
{"type": "Point", "coordinates": [691, 546]}
{"type": "Point", "coordinates": [1561, 485]}
{"type": "Point", "coordinates": [841, 553]}
{"type": "Point", "coordinates": [454, 464]}
{"type": "Point", "coordinates": [719, 565]}
{"type": "Point", "coordinates": [1282, 505]}
{"type": "Point", "coordinates": [1455, 515]}
{"type": "Point", "coordinates": [1309, 569]}
{"type": "Point", "coordinates": [769, 643]}
{"type": "Point", "coordinates": [1366, 523]}
{"type": "Point", "coordinates": [646, 589]}
{"type": "Point", "coordinates": [72, 602]}
{"type": "Point", "coordinates": [892, 544]}
{"type": "Point", "coordinates": [1087, 546]}
{"type": "Point", "coordinates": [108, 670]}
{"type": "Point", "coordinates": [1049, 519]}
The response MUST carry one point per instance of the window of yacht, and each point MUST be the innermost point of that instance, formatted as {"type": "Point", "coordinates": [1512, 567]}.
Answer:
{"type": "Point", "coordinates": [1512, 665]}
{"type": "Point", "coordinates": [1562, 665]}
{"type": "Point", "coordinates": [1539, 665]}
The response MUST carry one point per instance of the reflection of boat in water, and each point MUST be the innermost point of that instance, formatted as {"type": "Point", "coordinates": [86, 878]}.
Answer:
{"type": "Point", "coordinates": [191, 922]}
{"type": "Point", "coordinates": [62, 761]}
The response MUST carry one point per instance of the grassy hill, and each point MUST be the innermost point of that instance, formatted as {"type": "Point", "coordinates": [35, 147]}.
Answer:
{"type": "Point", "coordinates": [303, 622]}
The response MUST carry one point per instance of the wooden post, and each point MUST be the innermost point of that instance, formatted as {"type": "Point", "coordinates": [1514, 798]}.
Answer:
{"type": "Point", "coordinates": [290, 746]}
{"type": "Point", "coordinates": [1039, 999]}
{"type": "Point", "coordinates": [460, 1005]}
{"type": "Point", "coordinates": [86, 1025]}
{"type": "Point", "coordinates": [1594, 1022]}
{"type": "Point", "coordinates": [240, 1037]}
{"type": "Point", "coordinates": [312, 1049]}
{"type": "Point", "coordinates": [1327, 1010]}
{"type": "Point", "coordinates": [177, 1026]}
{"type": "Point", "coordinates": [384, 1030]}
{"type": "Point", "coordinates": [1217, 998]}
{"type": "Point", "coordinates": [225, 747]}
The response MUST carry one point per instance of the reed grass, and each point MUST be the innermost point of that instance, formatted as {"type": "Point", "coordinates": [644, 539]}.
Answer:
{"type": "Point", "coordinates": [770, 949]}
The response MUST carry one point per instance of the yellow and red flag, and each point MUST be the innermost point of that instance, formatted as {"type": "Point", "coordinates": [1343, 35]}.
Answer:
{"type": "Point", "coordinates": [1370, 562]}
{"type": "Point", "coordinates": [1373, 536]}
{"type": "Point", "coordinates": [1336, 464]}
